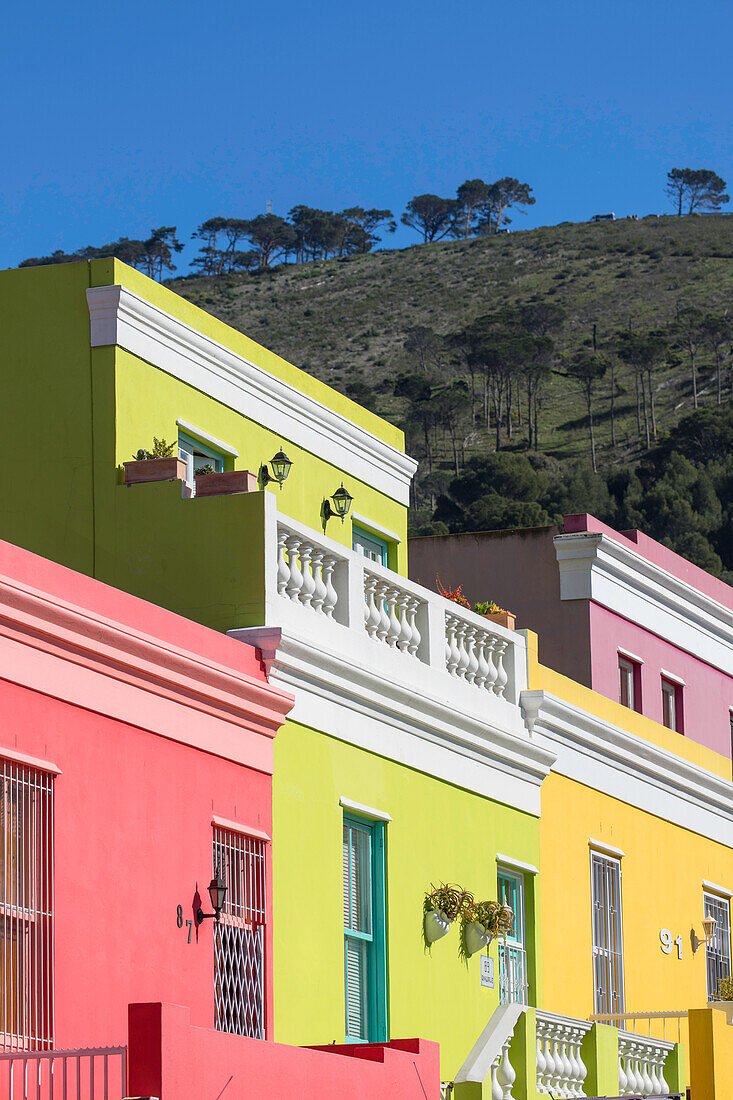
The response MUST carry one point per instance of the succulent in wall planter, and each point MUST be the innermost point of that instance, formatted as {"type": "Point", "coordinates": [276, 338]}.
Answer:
{"type": "Point", "coordinates": [442, 905]}
{"type": "Point", "coordinates": [483, 921]}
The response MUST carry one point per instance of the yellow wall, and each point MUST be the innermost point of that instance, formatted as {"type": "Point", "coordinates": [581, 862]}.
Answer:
{"type": "Point", "coordinates": [439, 832]}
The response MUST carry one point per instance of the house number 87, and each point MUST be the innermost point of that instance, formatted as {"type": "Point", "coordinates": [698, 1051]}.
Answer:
{"type": "Point", "coordinates": [667, 942]}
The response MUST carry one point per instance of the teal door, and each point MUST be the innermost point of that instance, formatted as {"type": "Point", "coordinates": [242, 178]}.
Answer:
{"type": "Point", "coordinates": [364, 931]}
{"type": "Point", "coordinates": [513, 952]}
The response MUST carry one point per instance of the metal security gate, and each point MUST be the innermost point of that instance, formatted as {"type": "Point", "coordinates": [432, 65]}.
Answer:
{"type": "Point", "coordinates": [512, 974]}
{"type": "Point", "coordinates": [26, 907]}
{"type": "Point", "coordinates": [239, 938]}
{"type": "Point", "coordinates": [717, 951]}
{"type": "Point", "coordinates": [608, 957]}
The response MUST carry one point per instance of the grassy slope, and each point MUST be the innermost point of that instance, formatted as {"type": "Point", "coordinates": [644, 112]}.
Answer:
{"type": "Point", "coordinates": [345, 320]}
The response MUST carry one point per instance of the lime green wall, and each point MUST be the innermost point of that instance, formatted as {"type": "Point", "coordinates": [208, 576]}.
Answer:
{"type": "Point", "coordinates": [439, 832]}
{"type": "Point", "coordinates": [46, 498]}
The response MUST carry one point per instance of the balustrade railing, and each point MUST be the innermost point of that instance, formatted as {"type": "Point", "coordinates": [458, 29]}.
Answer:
{"type": "Point", "coordinates": [561, 1070]}
{"type": "Point", "coordinates": [641, 1065]}
{"type": "Point", "coordinates": [96, 1073]}
{"type": "Point", "coordinates": [329, 580]}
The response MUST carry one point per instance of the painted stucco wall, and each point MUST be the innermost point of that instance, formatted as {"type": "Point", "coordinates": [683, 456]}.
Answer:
{"type": "Point", "coordinates": [707, 694]}
{"type": "Point", "coordinates": [438, 833]}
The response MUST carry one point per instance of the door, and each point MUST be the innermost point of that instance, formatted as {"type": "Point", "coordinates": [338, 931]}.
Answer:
{"type": "Point", "coordinates": [608, 951]}
{"type": "Point", "coordinates": [513, 951]}
{"type": "Point", "coordinates": [364, 931]}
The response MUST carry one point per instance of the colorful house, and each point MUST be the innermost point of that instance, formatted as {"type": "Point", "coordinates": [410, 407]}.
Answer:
{"type": "Point", "coordinates": [422, 738]}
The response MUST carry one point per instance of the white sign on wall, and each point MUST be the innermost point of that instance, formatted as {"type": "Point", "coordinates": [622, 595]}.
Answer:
{"type": "Point", "coordinates": [487, 971]}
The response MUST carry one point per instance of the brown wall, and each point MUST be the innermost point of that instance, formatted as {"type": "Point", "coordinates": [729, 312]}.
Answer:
{"type": "Point", "coordinates": [518, 570]}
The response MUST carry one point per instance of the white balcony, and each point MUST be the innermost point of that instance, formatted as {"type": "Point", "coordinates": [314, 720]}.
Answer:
{"type": "Point", "coordinates": [387, 664]}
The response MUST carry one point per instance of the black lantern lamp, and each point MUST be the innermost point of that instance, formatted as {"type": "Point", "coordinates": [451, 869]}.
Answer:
{"type": "Point", "coordinates": [342, 499]}
{"type": "Point", "coordinates": [217, 893]}
{"type": "Point", "coordinates": [280, 464]}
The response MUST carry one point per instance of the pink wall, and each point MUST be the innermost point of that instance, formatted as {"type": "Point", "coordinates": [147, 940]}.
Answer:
{"type": "Point", "coordinates": [172, 1060]}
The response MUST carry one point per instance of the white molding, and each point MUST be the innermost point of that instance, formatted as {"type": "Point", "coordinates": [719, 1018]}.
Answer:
{"type": "Point", "coordinates": [713, 888]}
{"type": "Point", "coordinates": [370, 525]}
{"type": "Point", "coordinates": [365, 811]}
{"type": "Point", "coordinates": [672, 677]}
{"type": "Point", "coordinates": [595, 567]}
{"type": "Point", "coordinates": [609, 759]}
{"type": "Point", "coordinates": [605, 849]}
{"type": "Point", "coordinates": [516, 864]}
{"type": "Point", "coordinates": [629, 656]}
{"type": "Point", "coordinates": [29, 761]}
{"type": "Point", "coordinates": [118, 316]}
{"type": "Point", "coordinates": [237, 827]}
{"type": "Point", "coordinates": [205, 437]}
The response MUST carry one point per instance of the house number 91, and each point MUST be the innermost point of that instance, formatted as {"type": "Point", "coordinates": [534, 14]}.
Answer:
{"type": "Point", "coordinates": [667, 942]}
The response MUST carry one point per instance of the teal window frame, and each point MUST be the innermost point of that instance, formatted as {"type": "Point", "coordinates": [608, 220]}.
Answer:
{"type": "Point", "coordinates": [190, 442]}
{"type": "Point", "coordinates": [517, 943]}
{"type": "Point", "coordinates": [365, 533]}
{"type": "Point", "coordinates": [375, 940]}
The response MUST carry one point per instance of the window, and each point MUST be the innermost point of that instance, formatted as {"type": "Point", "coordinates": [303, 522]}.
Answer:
{"type": "Point", "coordinates": [717, 952]}
{"type": "Point", "coordinates": [672, 705]}
{"type": "Point", "coordinates": [364, 931]}
{"type": "Point", "coordinates": [371, 546]}
{"type": "Point", "coordinates": [513, 954]}
{"type": "Point", "coordinates": [198, 454]}
{"type": "Point", "coordinates": [608, 950]}
{"type": "Point", "coordinates": [239, 937]}
{"type": "Point", "coordinates": [26, 907]}
{"type": "Point", "coordinates": [629, 683]}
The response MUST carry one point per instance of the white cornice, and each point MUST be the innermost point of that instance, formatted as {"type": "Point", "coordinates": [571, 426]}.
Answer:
{"type": "Point", "coordinates": [385, 701]}
{"type": "Point", "coordinates": [607, 758]}
{"type": "Point", "coordinates": [120, 317]}
{"type": "Point", "coordinates": [594, 566]}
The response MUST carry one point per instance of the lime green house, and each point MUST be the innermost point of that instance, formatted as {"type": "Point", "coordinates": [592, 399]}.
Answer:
{"type": "Point", "coordinates": [406, 761]}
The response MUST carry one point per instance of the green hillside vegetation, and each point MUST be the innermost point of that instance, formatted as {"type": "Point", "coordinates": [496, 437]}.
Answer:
{"type": "Point", "coordinates": [491, 340]}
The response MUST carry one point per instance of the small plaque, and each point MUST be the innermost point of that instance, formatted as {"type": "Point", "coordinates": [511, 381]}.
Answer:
{"type": "Point", "coordinates": [487, 971]}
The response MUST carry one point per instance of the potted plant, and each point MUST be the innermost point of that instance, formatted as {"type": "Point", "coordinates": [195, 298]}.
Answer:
{"type": "Point", "coordinates": [442, 905]}
{"type": "Point", "coordinates": [483, 921]}
{"type": "Point", "coordinates": [496, 614]}
{"type": "Point", "coordinates": [157, 464]}
{"type": "Point", "coordinates": [453, 594]}
{"type": "Point", "coordinates": [213, 483]}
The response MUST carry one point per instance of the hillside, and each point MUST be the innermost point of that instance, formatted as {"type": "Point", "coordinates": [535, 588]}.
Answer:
{"type": "Point", "coordinates": [346, 321]}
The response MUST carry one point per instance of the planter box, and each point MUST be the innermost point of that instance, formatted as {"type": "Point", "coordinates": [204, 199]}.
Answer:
{"type": "Point", "coordinates": [502, 618]}
{"type": "Point", "coordinates": [155, 469]}
{"type": "Point", "coordinates": [226, 482]}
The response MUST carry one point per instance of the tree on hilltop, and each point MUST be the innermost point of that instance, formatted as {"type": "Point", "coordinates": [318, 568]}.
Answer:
{"type": "Point", "coordinates": [429, 215]}
{"type": "Point", "coordinates": [471, 196]}
{"type": "Point", "coordinates": [695, 188]}
{"type": "Point", "coordinates": [502, 196]}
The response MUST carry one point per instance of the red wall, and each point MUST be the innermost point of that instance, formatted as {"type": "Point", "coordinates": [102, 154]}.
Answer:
{"type": "Point", "coordinates": [133, 840]}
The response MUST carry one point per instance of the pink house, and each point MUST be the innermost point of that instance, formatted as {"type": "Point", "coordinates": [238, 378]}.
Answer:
{"type": "Point", "coordinates": [614, 610]}
{"type": "Point", "coordinates": [136, 759]}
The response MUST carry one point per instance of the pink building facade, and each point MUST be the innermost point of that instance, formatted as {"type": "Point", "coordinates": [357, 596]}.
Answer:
{"type": "Point", "coordinates": [614, 610]}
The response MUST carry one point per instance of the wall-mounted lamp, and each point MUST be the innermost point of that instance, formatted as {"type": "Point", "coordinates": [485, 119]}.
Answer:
{"type": "Point", "coordinates": [217, 893]}
{"type": "Point", "coordinates": [342, 499]}
{"type": "Point", "coordinates": [709, 926]}
{"type": "Point", "coordinates": [280, 465]}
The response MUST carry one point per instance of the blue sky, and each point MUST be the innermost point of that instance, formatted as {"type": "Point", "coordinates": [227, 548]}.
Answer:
{"type": "Point", "coordinates": [120, 117]}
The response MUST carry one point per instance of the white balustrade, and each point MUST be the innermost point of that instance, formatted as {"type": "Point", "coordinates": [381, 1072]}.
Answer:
{"type": "Point", "coordinates": [560, 1067]}
{"type": "Point", "coordinates": [503, 1075]}
{"type": "Point", "coordinates": [390, 613]}
{"type": "Point", "coordinates": [305, 571]}
{"type": "Point", "coordinates": [98, 1073]}
{"type": "Point", "coordinates": [475, 653]}
{"type": "Point", "coordinates": [641, 1063]}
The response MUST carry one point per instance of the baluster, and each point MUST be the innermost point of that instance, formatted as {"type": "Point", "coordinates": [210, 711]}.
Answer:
{"type": "Point", "coordinates": [380, 593]}
{"type": "Point", "coordinates": [549, 1062]}
{"type": "Point", "coordinates": [395, 626]}
{"type": "Point", "coordinates": [371, 614]}
{"type": "Point", "coordinates": [635, 1083]}
{"type": "Point", "coordinates": [453, 656]}
{"type": "Point", "coordinates": [462, 654]}
{"type": "Point", "coordinates": [472, 667]}
{"type": "Point", "coordinates": [492, 673]}
{"type": "Point", "coordinates": [413, 607]}
{"type": "Point", "coordinates": [663, 1086]}
{"type": "Point", "coordinates": [500, 645]}
{"type": "Point", "coordinates": [652, 1068]}
{"type": "Point", "coordinates": [405, 636]}
{"type": "Point", "coordinates": [483, 669]}
{"type": "Point", "coordinates": [582, 1068]}
{"type": "Point", "coordinates": [623, 1081]}
{"type": "Point", "coordinates": [505, 1075]}
{"type": "Point", "coordinates": [541, 1063]}
{"type": "Point", "coordinates": [497, 1092]}
{"type": "Point", "coordinates": [331, 598]}
{"type": "Point", "coordinates": [647, 1083]}
{"type": "Point", "coordinates": [283, 569]}
{"type": "Point", "coordinates": [567, 1065]}
{"type": "Point", "coordinates": [308, 586]}
{"type": "Point", "coordinates": [319, 588]}
{"type": "Point", "coordinates": [295, 580]}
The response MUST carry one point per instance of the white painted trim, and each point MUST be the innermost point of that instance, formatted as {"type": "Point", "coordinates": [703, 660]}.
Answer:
{"type": "Point", "coordinates": [370, 525]}
{"type": "Point", "coordinates": [31, 761]}
{"type": "Point", "coordinates": [595, 567]}
{"type": "Point", "coordinates": [516, 864]}
{"type": "Point", "coordinates": [605, 849]}
{"type": "Point", "coordinates": [672, 677]}
{"type": "Point", "coordinates": [199, 433]}
{"type": "Point", "coordinates": [713, 888]}
{"type": "Point", "coordinates": [365, 811]}
{"type": "Point", "coordinates": [237, 827]}
{"type": "Point", "coordinates": [118, 316]}
{"type": "Point", "coordinates": [488, 1046]}
{"type": "Point", "coordinates": [609, 759]}
{"type": "Point", "coordinates": [630, 656]}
